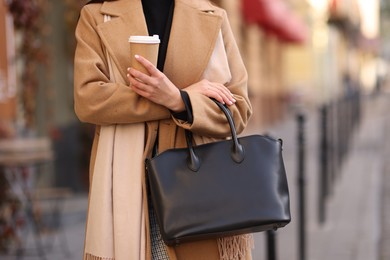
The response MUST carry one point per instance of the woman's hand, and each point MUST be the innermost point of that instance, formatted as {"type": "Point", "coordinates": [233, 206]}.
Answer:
{"type": "Point", "coordinates": [213, 90]}
{"type": "Point", "coordinates": [156, 87]}
{"type": "Point", "coordinates": [160, 90]}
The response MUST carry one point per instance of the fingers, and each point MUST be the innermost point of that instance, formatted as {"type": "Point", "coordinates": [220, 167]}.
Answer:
{"type": "Point", "coordinates": [214, 90]}
{"type": "Point", "coordinates": [137, 81]}
{"type": "Point", "coordinates": [154, 74]}
{"type": "Point", "coordinates": [225, 94]}
{"type": "Point", "coordinates": [157, 88]}
{"type": "Point", "coordinates": [139, 87]}
{"type": "Point", "coordinates": [220, 93]}
{"type": "Point", "coordinates": [214, 93]}
{"type": "Point", "coordinates": [136, 74]}
{"type": "Point", "coordinates": [147, 64]}
{"type": "Point", "coordinates": [140, 91]}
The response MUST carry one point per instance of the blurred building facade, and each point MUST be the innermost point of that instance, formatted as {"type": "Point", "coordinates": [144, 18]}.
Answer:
{"type": "Point", "coordinates": [300, 51]}
{"type": "Point", "coordinates": [296, 52]}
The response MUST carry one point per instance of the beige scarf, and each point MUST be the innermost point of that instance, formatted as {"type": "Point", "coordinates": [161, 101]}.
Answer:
{"type": "Point", "coordinates": [115, 221]}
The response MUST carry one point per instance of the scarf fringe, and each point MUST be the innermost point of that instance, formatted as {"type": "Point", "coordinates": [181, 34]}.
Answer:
{"type": "Point", "coordinates": [235, 247]}
{"type": "Point", "coordinates": [93, 257]}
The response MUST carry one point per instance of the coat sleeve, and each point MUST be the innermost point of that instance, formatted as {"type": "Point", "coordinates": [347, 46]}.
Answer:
{"type": "Point", "coordinates": [208, 119]}
{"type": "Point", "coordinates": [97, 100]}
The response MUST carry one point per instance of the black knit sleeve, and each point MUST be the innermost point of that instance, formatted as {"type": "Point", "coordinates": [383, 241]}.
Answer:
{"type": "Point", "coordinates": [187, 114]}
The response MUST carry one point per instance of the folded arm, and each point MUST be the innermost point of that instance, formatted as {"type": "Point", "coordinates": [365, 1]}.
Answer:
{"type": "Point", "coordinates": [97, 99]}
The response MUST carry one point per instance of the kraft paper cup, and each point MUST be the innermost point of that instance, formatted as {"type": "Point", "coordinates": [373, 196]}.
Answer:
{"type": "Point", "coordinates": [145, 46]}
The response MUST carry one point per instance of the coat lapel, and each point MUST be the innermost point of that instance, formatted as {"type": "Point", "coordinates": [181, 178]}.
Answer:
{"type": "Point", "coordinates": [194, 30]}
{"type": "Point", "coordinates": [126, 19]}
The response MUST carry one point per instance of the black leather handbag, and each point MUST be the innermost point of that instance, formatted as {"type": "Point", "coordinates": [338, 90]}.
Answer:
{"type": "Point", "coordinates": [218, 189]}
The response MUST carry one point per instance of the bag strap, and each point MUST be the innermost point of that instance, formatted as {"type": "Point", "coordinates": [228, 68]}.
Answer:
{"type": "Point", "coordinates": [237, 151]}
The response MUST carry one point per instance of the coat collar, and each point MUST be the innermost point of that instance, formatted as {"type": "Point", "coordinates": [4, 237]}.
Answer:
{"type": "Point", "coordinates": [118, 7]}
{"type": "Point", "coordinates": [195, 28]}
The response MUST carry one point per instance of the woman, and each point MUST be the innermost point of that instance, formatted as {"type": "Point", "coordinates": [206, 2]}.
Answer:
{"type": "Point", "coordinates": [137, 115]}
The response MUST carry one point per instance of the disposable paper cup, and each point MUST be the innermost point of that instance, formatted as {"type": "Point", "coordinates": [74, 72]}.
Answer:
{"type": "Point", "coordinates": [145, 46]}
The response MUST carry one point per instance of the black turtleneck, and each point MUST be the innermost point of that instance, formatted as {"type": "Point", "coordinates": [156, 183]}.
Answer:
{"type": "Point", "coordinates": [158, 16]}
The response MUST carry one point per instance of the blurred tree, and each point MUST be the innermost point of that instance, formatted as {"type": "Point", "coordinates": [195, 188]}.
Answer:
{"type": "Point", "coordinates": [32, 51]}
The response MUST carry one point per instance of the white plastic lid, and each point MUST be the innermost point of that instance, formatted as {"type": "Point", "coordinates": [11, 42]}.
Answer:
{"type": "Point", "coordinates": [144, 39]}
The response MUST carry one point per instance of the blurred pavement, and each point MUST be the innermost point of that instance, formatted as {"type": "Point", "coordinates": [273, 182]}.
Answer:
{"type": "Point", "coordinates": [66, 245]}
{"type": "Point", "coordinates": [359, 203]}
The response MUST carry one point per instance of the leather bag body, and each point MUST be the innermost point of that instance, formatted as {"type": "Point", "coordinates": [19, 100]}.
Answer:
{"type": "Point", "coordinates": [219, 189]}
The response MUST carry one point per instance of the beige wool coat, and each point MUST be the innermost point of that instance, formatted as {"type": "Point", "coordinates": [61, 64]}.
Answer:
{"type": "Point", "coordinates": [197, 27]}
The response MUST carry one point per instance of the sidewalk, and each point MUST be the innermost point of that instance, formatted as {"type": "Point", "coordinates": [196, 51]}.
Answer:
{"type": "Point", "coordinates": [355, 210]}
{"type": "Point", "coordinates": [384, 249]}
{"type": "Point", "coordinates": [352, 229]}
{"type": "Point", "coordinates": [67, 245]}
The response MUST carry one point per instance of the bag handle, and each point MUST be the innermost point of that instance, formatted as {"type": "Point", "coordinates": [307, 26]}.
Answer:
{"type": "Point", "coordinates": [237, 151]}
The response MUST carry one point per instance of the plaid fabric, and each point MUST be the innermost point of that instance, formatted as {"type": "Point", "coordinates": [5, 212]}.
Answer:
{"type": "Point", "coordinates": [159, 251]}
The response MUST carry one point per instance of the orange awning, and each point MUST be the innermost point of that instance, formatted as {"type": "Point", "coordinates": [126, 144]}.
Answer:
{"type": "Point", "coordinates": [275, 18]}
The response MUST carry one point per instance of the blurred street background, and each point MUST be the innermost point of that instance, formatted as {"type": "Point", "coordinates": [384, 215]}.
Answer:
{"type": "Point", "coordinates": [318, 79]}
